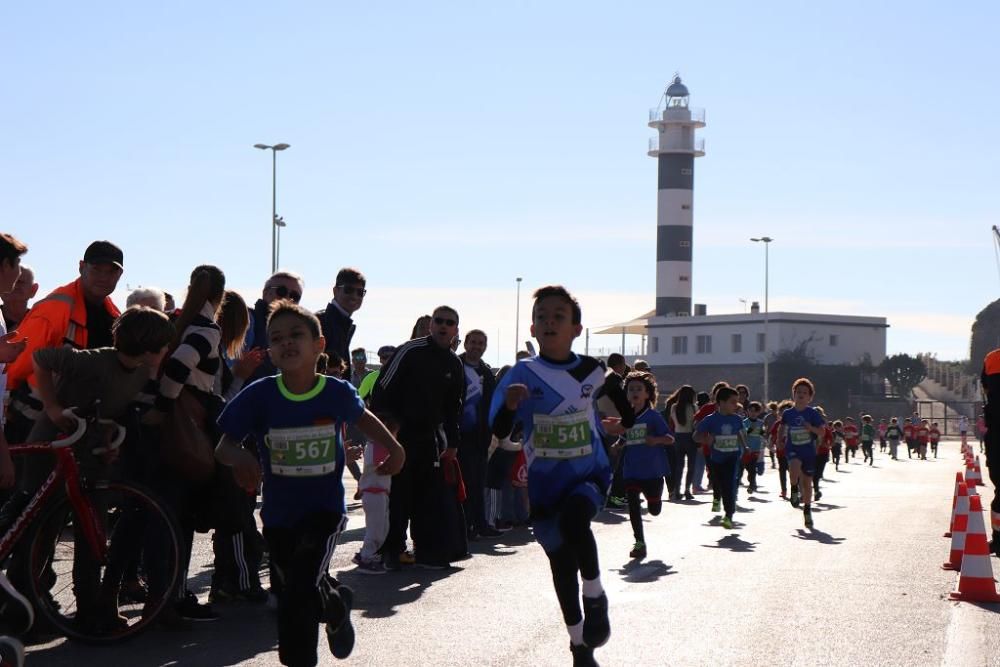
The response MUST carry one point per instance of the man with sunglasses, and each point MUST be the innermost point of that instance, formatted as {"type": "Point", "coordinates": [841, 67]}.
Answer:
{"type": "Point", "coordinates": [338, 327]}
{"type": "Point", "coordinates": [423, 387]}
{"type": "Point", "coordinates": [281, 285]}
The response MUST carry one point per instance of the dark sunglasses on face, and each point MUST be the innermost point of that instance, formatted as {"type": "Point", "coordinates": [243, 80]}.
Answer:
{"type": "Point", "coordinates": [351, 291]}
{"type": "Point", "coordinates": [445, 320]}
{"type": "Point", "coordinates": [285, 293]}
{"type": "Point", "coordinates": [361, 358]}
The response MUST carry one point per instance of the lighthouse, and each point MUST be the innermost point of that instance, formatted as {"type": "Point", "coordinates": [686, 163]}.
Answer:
{"type": "Point", "coordinates": [675, 147]}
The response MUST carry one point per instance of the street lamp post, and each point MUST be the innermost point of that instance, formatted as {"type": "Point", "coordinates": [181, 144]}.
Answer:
{"type": "Point", "coordinates": [274, 199]}
{"type": "Point", "coordinates": [517, 319]}
{"type": "Point", "coordinates": [766, 240]}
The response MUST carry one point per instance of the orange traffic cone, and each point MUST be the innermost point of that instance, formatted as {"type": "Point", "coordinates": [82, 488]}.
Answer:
{"type": "Point", "coordinates": [979, 473]}
{"type": "Point", "coordinates": [976, 583]}
{"type": "Point", "coordinates": [954, 503]}
{"type": "Point", "coordinates": [972, 477]}
{"type": "Point", "coordinates": [958, 529]}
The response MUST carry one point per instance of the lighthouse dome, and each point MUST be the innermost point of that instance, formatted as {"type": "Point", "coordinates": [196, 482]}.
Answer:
{"type": "Point", "coordinates": [677, 89]}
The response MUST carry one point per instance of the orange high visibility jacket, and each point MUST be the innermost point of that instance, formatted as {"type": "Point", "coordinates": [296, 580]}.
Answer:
{"type": "Point", "coordinates": [58, 319]}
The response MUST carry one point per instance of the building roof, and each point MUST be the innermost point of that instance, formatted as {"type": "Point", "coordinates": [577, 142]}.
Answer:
{"type": "Point", "coordinates": [641, 325]}
{"type": "Point", "coordinates": [676, 88]}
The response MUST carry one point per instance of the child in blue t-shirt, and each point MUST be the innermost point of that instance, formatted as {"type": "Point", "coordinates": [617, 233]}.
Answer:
{"type": "Point", "coordinates": [801, 427]}
{"type": "Point", "coordinates": [645, 462]}
{"type": "Point", "coordinates": [298, 417]}
{"type": "Point", "coordinates": [722, 431]}
{"type": "Point", "coordinates": [754, 458]}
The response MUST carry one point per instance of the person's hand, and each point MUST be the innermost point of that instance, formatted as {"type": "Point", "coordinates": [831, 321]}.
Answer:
{"type": "Point", "coordinates": [6, 470]}
{"type": "Point", "coordinates": [246, 471]}
{"type": "Point", "coordinates": [55, 414]}
{"type": "Point", "coordinates": [352, 451]}
{"type": "Point", "coordinates": [613, 425]}
{"type": "Point", "coordinates": [515, 394]}
{"type": "Point", "coordinates": [248, 363]}
{"type": "Point", "coordinates": [9, 350]}
{"type": "Point", "coordinates": [450, 454]}
{"type": "Point", "coordinates": [393, 464]}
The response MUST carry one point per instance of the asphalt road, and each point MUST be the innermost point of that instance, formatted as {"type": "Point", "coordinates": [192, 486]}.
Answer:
{"type": "Point", "coordinates": [864, 587]}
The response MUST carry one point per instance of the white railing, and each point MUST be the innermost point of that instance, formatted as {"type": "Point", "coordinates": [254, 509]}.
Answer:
{"type": "Point", "coordinates": [697, 114]}
{"type": "Point", "coordinates": [698, 146]}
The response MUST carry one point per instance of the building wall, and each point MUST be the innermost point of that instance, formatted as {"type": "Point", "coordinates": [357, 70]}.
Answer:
{"type": "Point", "coordinates": [830, 339]}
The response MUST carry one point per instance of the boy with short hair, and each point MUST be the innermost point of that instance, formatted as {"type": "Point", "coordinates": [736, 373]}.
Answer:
{"type": "Point", "coordinates": [722, 432]}
{"type": "Point", "coordinates": [801, 426]}
{"type": "Point", "coordinates": [298, 417]}
{"type": "Point", "coordinates": [882, 426]}
{"type": "Point", "coordinates": [922, 435]}
{"type": "Point", "coordinates": [838, 443]}
{"type": "Point", "coordinates": [868, 439]}
{"type": "Point", "coordinates": [754, 427]}
{"type": "Point", "coordinates": [910, 436]}
{"type": "Point", "coordinates": [552, 396]}
{"type": "Point", "coordinates": [850, 439]}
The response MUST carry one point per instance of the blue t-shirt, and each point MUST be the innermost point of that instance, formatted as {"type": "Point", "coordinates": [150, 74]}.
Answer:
{"type": "Point", "coordinates": [641, 460]}
{"type": "Point", "coordinates": [473, 397]}
{"type": "Point", "coordinates": [562, 435]}
{"type": "Point", "coordinates": [300, 443]}
{"type": "Point", "coordinates": [726, 429]}
{"type": "Point", "coordinates": [795, 422]}
{"type": "Point", "coordinates": [755, 433]}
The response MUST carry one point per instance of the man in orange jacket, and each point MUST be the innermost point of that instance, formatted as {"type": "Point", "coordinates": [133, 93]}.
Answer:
{"type": "Point", "coordinates": [79, 314]}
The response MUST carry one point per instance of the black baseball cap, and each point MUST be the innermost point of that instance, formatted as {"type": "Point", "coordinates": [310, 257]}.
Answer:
{"type": "Point", "coordinates": [104, 252]}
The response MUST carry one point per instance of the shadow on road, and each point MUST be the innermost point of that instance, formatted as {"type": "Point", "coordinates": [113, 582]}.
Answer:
{"type": "Point", "coordinates": [640, 572]}
{"type": "Point", "coordinates": [757, 500]}
{"type": "Point", "coordinates": [811, 534]}
{"type": "Point", "coordinates": [828, 506]}
{"type": "Point", "coordinates": [610, 517]}
{"type": "Point", "coordinates": [733, 543]}
{"type": "Point", "coordinates": [378, 597]}
{"type": "Point", "coordinates": [745, 510]}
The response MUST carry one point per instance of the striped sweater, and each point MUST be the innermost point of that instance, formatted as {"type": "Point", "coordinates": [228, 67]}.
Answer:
{"type": "Point", "coordinates": [195, 362]}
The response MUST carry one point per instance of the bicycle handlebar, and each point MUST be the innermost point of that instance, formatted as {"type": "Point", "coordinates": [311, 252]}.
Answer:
{"type": "Point", "coordinates": [81, 428]}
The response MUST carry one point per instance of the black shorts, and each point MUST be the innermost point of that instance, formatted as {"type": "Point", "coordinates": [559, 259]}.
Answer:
{"type": "Point", "coordinates": [651, 488]}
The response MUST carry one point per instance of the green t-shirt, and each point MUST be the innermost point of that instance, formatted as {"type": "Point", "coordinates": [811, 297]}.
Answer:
{"type": "Point", "coordinates": [368, 383]}
{"type": "Point", "coordinates": [867, 432]}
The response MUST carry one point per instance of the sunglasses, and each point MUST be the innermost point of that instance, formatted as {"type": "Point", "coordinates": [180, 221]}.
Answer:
{"type": "Point", "coordinates": [360, 358]}
{"type": "Point", "coordinates": [285, 293]}
{"type": "Point", "coordinates": [351, 291]}
{"type": "Point", "coordinates": [445, 320]}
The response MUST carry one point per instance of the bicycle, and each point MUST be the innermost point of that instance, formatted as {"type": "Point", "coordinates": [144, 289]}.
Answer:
{"type": "Point", "coordinates": [83, 536]}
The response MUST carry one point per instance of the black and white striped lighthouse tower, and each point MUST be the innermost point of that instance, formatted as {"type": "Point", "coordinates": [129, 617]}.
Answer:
{"type": "Point", "coordinates": [675, 148]}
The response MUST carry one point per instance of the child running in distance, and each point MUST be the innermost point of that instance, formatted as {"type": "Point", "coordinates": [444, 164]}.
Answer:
{"type": "Point", "coordinates": [882, 426]}
{"type": "Point", "coordinates": [298, 416]}
{"type": "Point", "coordinates": [850, 439]}
{"type": "Point", "coordinates": [868, 440]}
{"type": "Point", "coordinates": [552, 396]}
{"type": "Point", "coordinates": [935, 437]}
{"type": "Point", "coordinates": [838, 443]}
{"type": "Point", "coordinates": [823, 448]}
{"type": "Point", "coordinates": [893, 434]}
{"type": "Point", "coordinates": [801, 427]}
{"type": "Point", "coordinates": [645, 464]}
{"type": "Point", "coordinates": [922, 434]}
{"type": "Point", "coordinates": [754, 427]}
{"type": "Point", "coordinates": [722, 431]}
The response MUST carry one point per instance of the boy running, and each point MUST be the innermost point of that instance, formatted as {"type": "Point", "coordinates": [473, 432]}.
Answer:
{"type": "Point", "coordinates": [552, 396]}
{"type": "Point", "coordinates": [935, 437]}
{"type": "Point", "coordinates": [910, 437]}
{"type": "Point", "coordinates": [838, 443]}
{"type": "Point", "coordinates": [922, 434]}
{"type": "Point", "coordinates": [722, 431]}
{"type": "Point", "coordinates": [850, 439]}
{"type": "Point", "coordinates": [801, 426]}
{"type": "Point", "coordinates": [868, 439]}
{"type": "Point", "coordinates": [882, 426]}
{"type": "Point", "coordinates": [754, 426]}
{"type": "Point", "coordinates": [299, 417]}
{"type": "Point", "coordinates": [645, 464]}
{"type": "Point", "coordinates": [893, 434]}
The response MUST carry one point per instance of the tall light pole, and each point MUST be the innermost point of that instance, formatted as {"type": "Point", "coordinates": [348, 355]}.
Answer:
{"type": "Point", "coordinates": [274, 199]}
{"type": "Point", "coordinates": [279, 222]}
{"type": "Point", "coordinates": [766, 240]}
{"type": "Point", "coordinates": [517, 319]}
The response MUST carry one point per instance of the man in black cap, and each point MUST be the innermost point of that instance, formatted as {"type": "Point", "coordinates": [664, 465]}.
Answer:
{"type": "Point", "coordinates": [79, 314]}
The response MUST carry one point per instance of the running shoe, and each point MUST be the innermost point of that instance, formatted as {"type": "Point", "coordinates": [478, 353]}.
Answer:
{"type": "Point", "coordinates": [688, 495]}
{"type": "Point", "coordinates": [190, 609]}
{"type": "Point", "coordinates": [583, 655]}
{"type": "Point", "coordinates": [12, 653]}
{"type": "Point", "coordinates": [370, 567]}
{"type": "Point", "coordinates": [808, 516]}
{"type": "Point", "coordinates": [727, 522]}
{"type": "Point", "coordinates": [795, 498]}
{"type": "Point", "coordinates": [596, 625]}
{"type": "Point", "coordinates": [617, 503]}
{"type": "Point", "coordinates": [638, 551]}
{"type": "Point", "coordinates": [716, 503]}
{"type": "Point", "coordinates": [819, 494]}
{"type": "Point", "coordinates": [339, 631]}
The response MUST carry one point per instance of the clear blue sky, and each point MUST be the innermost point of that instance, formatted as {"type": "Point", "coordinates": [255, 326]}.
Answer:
{"type": "Point", "coordinates": [446, 149]}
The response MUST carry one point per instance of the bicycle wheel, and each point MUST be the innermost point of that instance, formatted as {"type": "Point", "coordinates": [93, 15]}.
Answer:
{"type": "Point", "coordinates": [84, 598]}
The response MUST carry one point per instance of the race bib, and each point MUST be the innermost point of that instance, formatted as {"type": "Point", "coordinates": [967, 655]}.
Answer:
{"type": "Point", "coordinates": [562, 437]}
{"type": "Point", "coordinates": [636, 435]}
{"type": "Point", "coordinates": [799, 436]}
{"type": "Point", "coordinates": [309, 451]}
{"type": "Point", "coordinates": [726, 443]}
